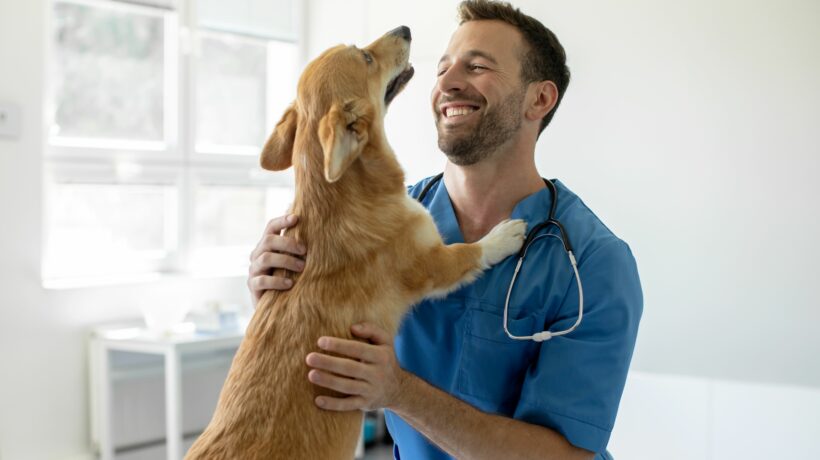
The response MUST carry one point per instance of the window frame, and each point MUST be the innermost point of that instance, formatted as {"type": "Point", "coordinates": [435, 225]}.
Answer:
{"type": "Point", "coordinates": [81, 160]}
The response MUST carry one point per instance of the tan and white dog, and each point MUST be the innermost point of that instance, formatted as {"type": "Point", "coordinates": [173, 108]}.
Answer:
{"type": "Point", "coordinates": [373, 252]}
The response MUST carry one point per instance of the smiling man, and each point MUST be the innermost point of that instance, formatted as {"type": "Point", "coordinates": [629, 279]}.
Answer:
{"type": "Point", "coordinates": [454, 382]}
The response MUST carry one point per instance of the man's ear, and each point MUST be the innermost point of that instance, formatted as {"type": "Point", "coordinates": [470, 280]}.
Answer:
{"type": "Point", "coordinates": [343, 133]}
{"type": "Point", "coordinates": [278, 151]}
{"type": "Point", "coordinates": [544, 98]}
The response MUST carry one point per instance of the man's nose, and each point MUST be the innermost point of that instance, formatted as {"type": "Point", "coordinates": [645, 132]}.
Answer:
{"type": "Point", "coordinates": [452, 80]}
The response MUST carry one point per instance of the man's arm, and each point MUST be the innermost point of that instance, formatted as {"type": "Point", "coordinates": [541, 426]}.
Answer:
{"type": "Point", "coordinates": [373, 378]}
{"type": "Point", "coordinates": [465, 432]}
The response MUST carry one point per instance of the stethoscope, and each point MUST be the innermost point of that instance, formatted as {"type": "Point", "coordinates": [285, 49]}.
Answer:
{"type": "Point", "coordinates": [532, 236]}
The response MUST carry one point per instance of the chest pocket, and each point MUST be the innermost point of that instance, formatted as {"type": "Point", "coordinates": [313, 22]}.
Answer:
{"type": "Point", "coordinates": [493, 366]}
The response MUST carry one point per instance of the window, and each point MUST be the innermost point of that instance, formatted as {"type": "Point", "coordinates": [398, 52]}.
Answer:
{"type": "Point", "coordinates": [109, 75]}
{"type": "Point", "coordinates": [230, 85]}
{"type": "Point", "coordinates": [158, 111]}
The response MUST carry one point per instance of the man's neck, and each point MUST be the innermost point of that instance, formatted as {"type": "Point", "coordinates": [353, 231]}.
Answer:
{"type": "Point", "coordinates": [485, 193]}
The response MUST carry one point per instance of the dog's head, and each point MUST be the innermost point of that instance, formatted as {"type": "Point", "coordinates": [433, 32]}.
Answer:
{"type": "Point", "coordinates": [346, 92]}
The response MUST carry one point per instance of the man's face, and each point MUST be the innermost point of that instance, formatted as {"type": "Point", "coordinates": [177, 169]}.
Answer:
{"type": "Point", "coordinates": [478, 97]}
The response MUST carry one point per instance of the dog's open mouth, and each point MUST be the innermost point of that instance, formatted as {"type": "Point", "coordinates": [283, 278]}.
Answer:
{"type": "Point", "coordinates": [397, 84]}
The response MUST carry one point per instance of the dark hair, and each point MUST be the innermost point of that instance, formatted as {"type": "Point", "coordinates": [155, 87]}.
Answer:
{"type": "Point", "coordinates": [544, 58]}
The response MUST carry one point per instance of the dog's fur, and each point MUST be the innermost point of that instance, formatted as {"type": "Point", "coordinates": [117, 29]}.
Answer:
{"type": "Point", "coordinates": [372, 252]}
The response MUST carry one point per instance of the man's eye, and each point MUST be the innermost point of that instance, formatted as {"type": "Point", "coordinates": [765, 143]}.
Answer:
{"type": "Point", "coordinates": [477, 67]}
{"type": "Point", "coordinates": [441, 72]}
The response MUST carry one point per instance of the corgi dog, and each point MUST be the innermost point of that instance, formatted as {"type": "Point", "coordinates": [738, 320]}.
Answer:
{"type": "Point", "coordinates": [372, 253]}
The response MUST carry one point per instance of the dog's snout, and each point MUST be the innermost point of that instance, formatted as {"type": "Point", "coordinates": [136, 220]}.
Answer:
{"type": "Point", "coordinates": [401, 31]}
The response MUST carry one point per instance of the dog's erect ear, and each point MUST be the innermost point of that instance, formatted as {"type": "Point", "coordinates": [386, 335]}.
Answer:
{"type": "Point", "coordinates": [343, 133]}
{"type": "Point", "coordinates": [278, 151]}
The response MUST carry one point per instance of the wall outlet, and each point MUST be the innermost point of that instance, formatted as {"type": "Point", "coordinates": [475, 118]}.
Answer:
{"type": "Point", "coordinates": [10, 122]}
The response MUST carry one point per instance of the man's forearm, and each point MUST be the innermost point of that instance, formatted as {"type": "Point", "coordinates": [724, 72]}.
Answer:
{"type": "Point", "coordinates": [465, 432]}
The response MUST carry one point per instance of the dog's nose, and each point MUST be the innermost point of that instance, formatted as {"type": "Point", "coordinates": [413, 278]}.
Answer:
{"type": "Point", "coordinates": [402, 31]}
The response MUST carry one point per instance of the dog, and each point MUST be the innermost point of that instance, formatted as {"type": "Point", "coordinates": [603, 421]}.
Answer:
{"type": "Point", "coordinates": [373, 252]}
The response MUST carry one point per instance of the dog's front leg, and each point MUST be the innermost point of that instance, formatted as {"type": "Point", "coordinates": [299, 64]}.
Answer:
{"type": "Point", "coordinates": [445, 268]}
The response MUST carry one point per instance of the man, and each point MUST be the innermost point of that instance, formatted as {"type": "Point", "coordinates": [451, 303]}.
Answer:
{"type": "Point", "coordinates": [456, 384]}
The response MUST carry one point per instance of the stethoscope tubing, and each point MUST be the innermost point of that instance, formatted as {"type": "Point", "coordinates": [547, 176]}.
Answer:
{"type": "Point", "coordinates": [532, 236]}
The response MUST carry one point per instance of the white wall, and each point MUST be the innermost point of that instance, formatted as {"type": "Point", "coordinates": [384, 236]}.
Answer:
{"type": "Point", "coordinates": [682, 418]}
{"type": "Point", "coordinates": [686, 128]}
{"type": "Point", "coordinates": [689, 129]}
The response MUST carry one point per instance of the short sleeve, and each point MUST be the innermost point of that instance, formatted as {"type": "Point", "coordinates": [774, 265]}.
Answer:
{"type": "Point", "coordinates": [575, 383]}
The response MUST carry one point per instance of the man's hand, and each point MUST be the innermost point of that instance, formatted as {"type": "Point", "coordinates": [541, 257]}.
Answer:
{"type": "Point", "coordinates": [368, 372]}
{"type": "Point", "coordinates": [274, 251]}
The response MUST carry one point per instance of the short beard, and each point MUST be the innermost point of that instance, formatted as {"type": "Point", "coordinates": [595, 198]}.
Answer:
{"type": "Point", "coordinates": [494, 129]}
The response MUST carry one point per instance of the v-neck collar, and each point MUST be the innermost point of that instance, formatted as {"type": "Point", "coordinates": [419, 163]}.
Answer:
{"type": "Point", "coordinates": [534, 208]}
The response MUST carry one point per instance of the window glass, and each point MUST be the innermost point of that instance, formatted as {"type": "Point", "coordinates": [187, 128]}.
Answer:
{"type": "Point", "coordinates": [230, 96]}
{"type": "Point", "coordinates": [228, 215]}
{"type": "Point", "coordinates": [235, 215]}
{"type": "Point", "coordinates": [108, 73]}
{"type": "Point", "coordinates": [229, 221]}
{"type": "Point", "coordinates": [132, 108]}
{"type": "Point", "coordinates": [122, 228]}
{"type": "Point", "coordinates": [261, 18]}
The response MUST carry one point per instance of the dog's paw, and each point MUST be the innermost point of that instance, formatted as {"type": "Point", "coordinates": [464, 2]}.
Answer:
{"type": "Point", "coordinates": [503, 240]}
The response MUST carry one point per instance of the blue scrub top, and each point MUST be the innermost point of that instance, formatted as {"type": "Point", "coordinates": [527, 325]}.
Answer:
{"type": "Point", "coordinates": [571, 384]}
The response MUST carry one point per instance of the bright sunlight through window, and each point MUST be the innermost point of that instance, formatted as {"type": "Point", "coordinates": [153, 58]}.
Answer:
{"type": "Point", "coordinates": [158, 111]}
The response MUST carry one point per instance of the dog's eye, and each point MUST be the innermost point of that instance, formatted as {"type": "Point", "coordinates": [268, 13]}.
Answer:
{"type": "Point", "coordinates": [367, 57]}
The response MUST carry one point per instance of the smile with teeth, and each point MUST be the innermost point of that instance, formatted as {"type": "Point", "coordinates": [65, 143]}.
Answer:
{"type": "Point", "coordinates": [451, 112]}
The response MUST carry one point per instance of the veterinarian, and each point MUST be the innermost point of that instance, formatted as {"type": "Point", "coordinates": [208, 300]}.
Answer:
{"type": "Point", "coordinates": [453, 382]}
